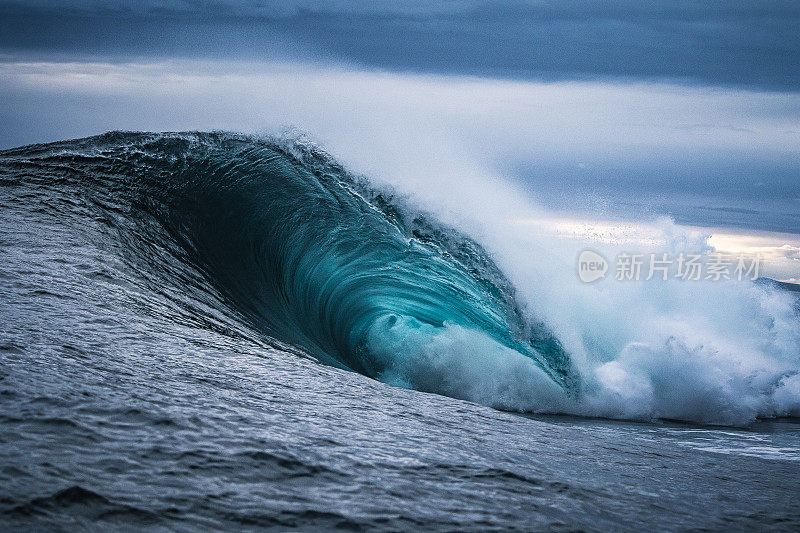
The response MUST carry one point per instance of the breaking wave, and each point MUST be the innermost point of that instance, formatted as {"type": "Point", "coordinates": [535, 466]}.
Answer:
{"type": "Point", "coordinates": [323, 263]}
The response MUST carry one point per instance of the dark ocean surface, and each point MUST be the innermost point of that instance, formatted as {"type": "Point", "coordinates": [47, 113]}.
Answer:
{"type": "Point", "coordinates": [148, 384]}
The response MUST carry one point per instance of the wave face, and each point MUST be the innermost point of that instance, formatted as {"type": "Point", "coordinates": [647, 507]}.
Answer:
{"type": "Point", "coordinates": [310, 255]}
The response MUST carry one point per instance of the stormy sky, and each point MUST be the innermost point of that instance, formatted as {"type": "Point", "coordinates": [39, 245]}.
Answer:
{"type": "Point", "coordinates": [680, 107]}
{"type": "Point", "coordinates": [732, 43]}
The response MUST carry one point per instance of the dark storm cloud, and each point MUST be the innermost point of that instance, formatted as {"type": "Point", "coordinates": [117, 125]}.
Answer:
{"type": "Point", "coordinates": [750, 44]}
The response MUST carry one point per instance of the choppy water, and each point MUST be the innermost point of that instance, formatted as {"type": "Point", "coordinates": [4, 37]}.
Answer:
{"type": "Point", "coordinates": [146, 382]}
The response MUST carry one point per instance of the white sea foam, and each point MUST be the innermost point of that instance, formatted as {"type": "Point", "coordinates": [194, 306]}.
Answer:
{"type": "Point", "coordinates": [712, 352]}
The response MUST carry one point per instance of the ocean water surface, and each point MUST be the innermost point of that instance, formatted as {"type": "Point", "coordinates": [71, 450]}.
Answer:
{"type": "Point", "coordinates": [210, 330]}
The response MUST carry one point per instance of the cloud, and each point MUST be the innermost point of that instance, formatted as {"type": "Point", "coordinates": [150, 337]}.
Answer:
{"type": "Point", "coordinates": [751, 44]}
{"type": "Point", "coordinates": [589, 120]}
{"type": "Point", "coordinates": [791, 252]}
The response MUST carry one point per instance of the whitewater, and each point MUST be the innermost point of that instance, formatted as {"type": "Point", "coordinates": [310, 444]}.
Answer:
{"type": "Point", "coordinates": [251, 311]}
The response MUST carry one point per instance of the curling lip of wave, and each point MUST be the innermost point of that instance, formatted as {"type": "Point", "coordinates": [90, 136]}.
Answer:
{"type": "Point", "coordinates": [313, 256]}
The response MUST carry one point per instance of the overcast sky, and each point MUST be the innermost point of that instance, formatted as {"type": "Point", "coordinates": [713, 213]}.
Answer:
{"type": "Point", "coordinates": [752, 44]}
